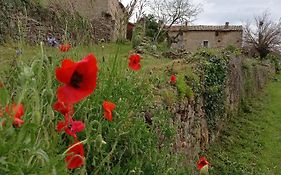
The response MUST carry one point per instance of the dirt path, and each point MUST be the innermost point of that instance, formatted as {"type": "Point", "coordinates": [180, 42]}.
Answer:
{"type": "Point", "coordinates": [251, 144]}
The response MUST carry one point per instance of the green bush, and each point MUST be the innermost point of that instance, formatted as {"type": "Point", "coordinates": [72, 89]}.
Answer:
{"type": "Point", "coordinates": [213, 66]}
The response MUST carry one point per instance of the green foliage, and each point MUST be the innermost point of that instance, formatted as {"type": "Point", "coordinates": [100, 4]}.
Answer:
{"type": "Point", "coordinates": [250, 66]}
{"type": "Point", "coordinates": [4, 96]}
{"type": "Point", "coordinates": [233, 49]}
{"type": "Point", "coordinates": [152, 28]}
{"type": "Point", "coordinates": [137, 35]}
{"type": "Point", "coordinates": [183, 89]}
{"type": "Point", "coordinates": [275, 60]}
{"type": "Point", "coordinates": [250, 142]}
{"type": "Point", "coordinates": [128, 145]}
{"type": "Point", "coordinates": [213, 67]}
{"type": "Point", "coordinates": [168, 97]}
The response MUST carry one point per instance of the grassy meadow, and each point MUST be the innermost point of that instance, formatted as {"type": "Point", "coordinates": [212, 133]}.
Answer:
{"type": "Point", "coordinates": [250, 144]}
{"type": "Point", "coordinates": [127, 145]}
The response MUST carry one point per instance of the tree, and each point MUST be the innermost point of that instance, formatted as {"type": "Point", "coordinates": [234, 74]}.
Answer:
{"type": "Point", "coordinates": [137, 7]}
{"type": "Point", "coordinates": [264, 35]}
{"type": "Point", "coordinates": [132, 5]}
{"type": "Point", "coordinates": [140, 9]}
{"type": "Point", "coordinates": [170, 12]}
{"type": "Point", "coordinates": [151, 27]}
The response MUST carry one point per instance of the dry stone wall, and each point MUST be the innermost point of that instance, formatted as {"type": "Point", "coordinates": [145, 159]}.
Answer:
{"type": "Point", "coordinates": [245, 78]}
{"type": "Point", "coordinates": [78, 23]}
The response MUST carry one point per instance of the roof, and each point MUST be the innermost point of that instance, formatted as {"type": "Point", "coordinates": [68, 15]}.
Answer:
{"type": "Point", "coordinates": [207, 28]}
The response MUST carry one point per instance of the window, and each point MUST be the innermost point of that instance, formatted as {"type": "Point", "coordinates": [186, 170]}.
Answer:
{"type": "Point", "coordinates": [205, 43]}
{"type": "Point", "coordinates": [217, 33]}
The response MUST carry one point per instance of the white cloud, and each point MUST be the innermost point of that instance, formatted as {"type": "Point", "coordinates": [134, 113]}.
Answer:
{"type": "Point", "coordinates": [234, 11]}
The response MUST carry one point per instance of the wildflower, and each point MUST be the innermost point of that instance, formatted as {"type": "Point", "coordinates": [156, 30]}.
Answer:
{"type": "Point", "coordinates": [63, 108]}
{"type": "Point", "coordinates": [79, 79]}
{"type": "Point", "coordinates": [75, 156]}
{"type": "Point", "coordinates": [1, 114]}
{"type": "Point", "coordinates": [15, 111]}
{"type": "Point", "coordinates": [108, 108]}
{"type": "Point", "coordinates": [64, 47]}
{"type": "Point", "coordinates": [1, 85]}
{"type": "Point", "coordinates": [201, 163]}
{"type": "Point", "coordinates": [70, 126]}
{"type": "Point", "coordinates": [52, 41]}
{"type": "Point", "coordinates": [173, 79]}
{"type": "Point", "coordinates": [134, 63]}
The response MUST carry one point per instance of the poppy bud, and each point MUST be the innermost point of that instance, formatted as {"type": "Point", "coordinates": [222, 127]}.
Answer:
{"type": "Point", "coordinates": [99, 141]}
{"type": "Point", "coordinates": [37, 117]}
{"type": "Point", "coordinates": [50, 112]}
{"type": "Point", "coordinates": [50, 95]}
{"type": "Point", "coordinates": [96, 124]}
{"type": "Point", "coordinates": [4, 96]}
{"type": "Point", "coordinates": [204, 170]}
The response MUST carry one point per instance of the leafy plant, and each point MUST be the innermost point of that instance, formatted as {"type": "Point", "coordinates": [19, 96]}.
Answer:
{"type": "Point", "coordinates": [213, 66]}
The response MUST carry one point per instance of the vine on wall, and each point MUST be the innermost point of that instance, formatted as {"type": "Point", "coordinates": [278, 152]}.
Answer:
{"type": "Point", "coordinates": [213, 69]}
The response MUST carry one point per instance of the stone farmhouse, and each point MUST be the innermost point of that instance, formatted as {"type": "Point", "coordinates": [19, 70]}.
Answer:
{"type": "Point", "coordinates": [107, 16]}
{"type": "Point", "coordinates": [193, 37]}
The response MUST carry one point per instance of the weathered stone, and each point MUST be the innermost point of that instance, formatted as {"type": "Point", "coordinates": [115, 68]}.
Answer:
{"type": "Point", "coordinates": [193, 131]}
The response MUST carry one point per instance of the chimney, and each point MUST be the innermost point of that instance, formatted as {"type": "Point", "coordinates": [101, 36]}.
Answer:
{"type": "Point", "coordinates": [226, 25]}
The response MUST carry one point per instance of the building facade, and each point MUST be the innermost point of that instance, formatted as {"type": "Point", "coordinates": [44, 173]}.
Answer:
{"type": "Point", "coordinates": [107, 16]}
{"type": "Point", "coordinates": [193, 37]}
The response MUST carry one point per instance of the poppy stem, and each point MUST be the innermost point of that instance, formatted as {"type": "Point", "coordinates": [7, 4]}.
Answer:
{"type": "Point", "coordinates": [83, 142]}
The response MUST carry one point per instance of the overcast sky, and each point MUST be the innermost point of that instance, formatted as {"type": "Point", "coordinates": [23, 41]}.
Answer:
{"type": "Point", "coordinates": [234, 11]}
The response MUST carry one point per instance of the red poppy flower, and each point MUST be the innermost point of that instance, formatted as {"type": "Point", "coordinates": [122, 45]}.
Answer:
{"type": "Point", "coordinates": [1, 85]}
{"type": "Point", "coordinates": [1, 115]}
{"type": "Point", "coordinates": [173, 79]}
{"type": "Point", "coordinates": [201, 163]}
{"type": "Point", "coordinates": [64, 47]}
{"type": "Point", "coordinates": [75, 156]}
{"type": "Point", "coordinates": [70, 126]}
{"type": "Point", "coordinates": [15, 111]}
{"type": "Point", "coordinates": [108, 108]}
{"type": "Point", "coordinates": [134, 63]}
{"type": "Point", "coordinates": [64, 109]}
{"type": "Point", "coordinates": [79, 79]}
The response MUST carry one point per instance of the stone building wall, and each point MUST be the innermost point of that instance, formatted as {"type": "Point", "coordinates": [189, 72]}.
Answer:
{"type": "Point", "coordinates": [194, 39]}
{"type": "Point", "coordinates": [118, 12]}
{"type": "Point", "coordinates": [86, 8]}
{"type": "Point", "coordinates": [215, 37]}
{"type": "Point", "coordinates": [106, 16]}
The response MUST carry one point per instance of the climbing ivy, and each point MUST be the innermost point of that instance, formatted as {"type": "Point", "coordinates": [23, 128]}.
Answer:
{"type": "Point", "coordinates": [213, 68]}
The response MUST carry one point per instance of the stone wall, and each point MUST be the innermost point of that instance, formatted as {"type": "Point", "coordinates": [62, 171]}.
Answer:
{"type": "Point", "coordinates": [86, 8]}
{"type": "Point", "coordinates": [118, 12]}
{"type": "Point", "coordinates": [34, 22]}
{"type": "Point", "coordinates": [246, 78]}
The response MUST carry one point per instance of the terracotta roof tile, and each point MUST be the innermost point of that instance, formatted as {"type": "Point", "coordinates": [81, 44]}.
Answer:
{"type": "Point", "coordinates": [207, 28]}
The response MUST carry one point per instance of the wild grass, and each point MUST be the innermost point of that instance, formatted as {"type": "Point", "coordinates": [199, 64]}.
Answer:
{"type": "Point", "coordinates": [132, 145]}
{"type": "Point", "coordinates": [250, 144]}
